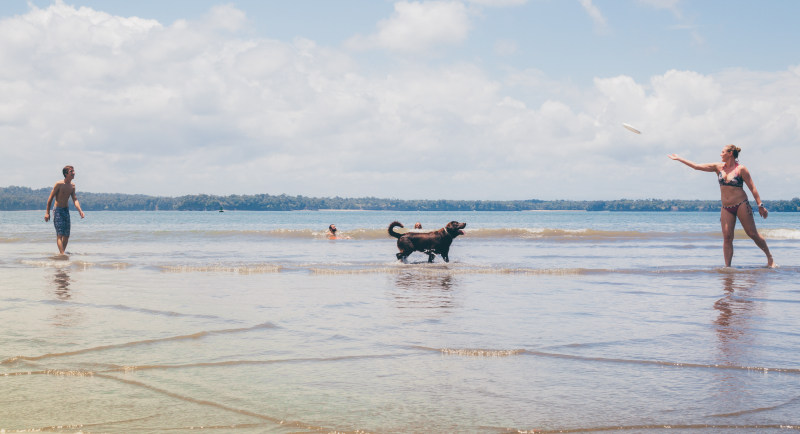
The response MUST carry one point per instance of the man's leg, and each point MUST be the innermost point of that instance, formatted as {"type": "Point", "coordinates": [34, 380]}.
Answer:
{"type": "Point", "coordinates": [62, 224]}
{"type": "Point", "coordinates": [62, 241]}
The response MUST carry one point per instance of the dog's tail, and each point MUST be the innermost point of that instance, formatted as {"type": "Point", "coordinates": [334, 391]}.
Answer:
{"type": "Point", "coordinates": [393, 225]}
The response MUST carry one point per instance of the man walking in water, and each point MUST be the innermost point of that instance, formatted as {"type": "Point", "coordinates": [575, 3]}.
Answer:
{"type": "Point", "coordinates": [62, 191]}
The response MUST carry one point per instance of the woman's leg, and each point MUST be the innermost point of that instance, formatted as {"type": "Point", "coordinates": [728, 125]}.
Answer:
{"type": "Point", "coordinates": [728, 221]}
{"type": "Point", "coordinates": [748, 223]}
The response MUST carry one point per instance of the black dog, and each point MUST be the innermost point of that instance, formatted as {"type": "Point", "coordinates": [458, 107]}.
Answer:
{"type": "Point", "coordinates": [429, 243]}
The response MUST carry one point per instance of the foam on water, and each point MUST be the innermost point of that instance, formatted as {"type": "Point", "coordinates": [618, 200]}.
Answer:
{"type": "Point", "coordinates": [781, 234]}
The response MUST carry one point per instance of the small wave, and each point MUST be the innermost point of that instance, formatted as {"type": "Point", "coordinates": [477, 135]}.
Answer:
{"type": "Point", "coordinates": [663, 363]}
{"type": "Point", "coordinates": [396, 267]}
{"type": "Point", "coordinates": [240, 269]}
{"type": "Point", "coordinates": [123, 307]}
{"type": "Point", "coordinates": [127, 369]}
{"type": "Point", "coordinates": [197, 335]}
{"type": "Point", "coordinates": [667, 426]}
{"type": "Point", "coordinates": [68, 373]}
{"type": "Point", "coordinates": [273, 233]}
{"type": "Point", "coordinates": [425, 268]}
{"type": "Point", "coordinates": [758, 410]}
{"type": "Point", "coordinates": [480, 352]}
{"type": "Point", "coordinates": [64, 261]}
{"type": "Point", "coordinates": [555, 234]}
{"type": "Point", "coordinates": [300, 234]}
{"type": "Point", "coordinates": [393, 267]}
{"type": "Point", "coordinates": [50, 262]}
{"type": "Point", "coordinates": [225, 363]}
{"type": "Point", "coordinates": [83, 265]}
{"type": "Point", "coordinates": [563, 234]}
{"type": "Point", "coordinates": [781, 234]}
{"type": "Point", "coordinates": [471, 352]}
{"type": "Point", "coordinates": [79, 427]}
{"type": "Point", "coordinates": [455, 268]}
{"type": "Point", "coordinates": [505, 353]}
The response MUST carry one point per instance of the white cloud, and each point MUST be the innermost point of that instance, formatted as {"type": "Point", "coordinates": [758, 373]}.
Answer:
{"type": "Point", "coordinates": [226, 17]}
{"type": "Point", "coordinates": [143, 108]}
{"type": "Point", "coordinates": [418, 27]}
{"type": "Point", "coordinates": [595, 14]}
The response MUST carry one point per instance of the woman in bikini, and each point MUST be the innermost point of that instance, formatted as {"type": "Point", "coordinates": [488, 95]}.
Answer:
{"type": "Point", "coordinates": [732, 177]}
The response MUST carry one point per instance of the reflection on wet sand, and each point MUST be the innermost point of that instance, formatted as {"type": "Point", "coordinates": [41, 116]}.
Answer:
{"type": "Point", "coordinates": [735, 339]}
{"type": "Point", "coordinates": [424, 290]}
{"type": "Point", "coordinates": [735, 311]}
{"type": "Point", "coordinates": [62, 282]}
{"type": "Point", "coordinates": [65, 314]}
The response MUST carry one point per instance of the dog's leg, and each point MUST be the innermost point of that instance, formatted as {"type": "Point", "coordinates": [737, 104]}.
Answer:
{"type": "Point", "coordinates": [403, 256]}
{"type": "Point", "coordinates": [431, 254]}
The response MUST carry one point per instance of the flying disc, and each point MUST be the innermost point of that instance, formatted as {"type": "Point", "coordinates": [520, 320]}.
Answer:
{"type": "Point", "coordinates": [632, 129]}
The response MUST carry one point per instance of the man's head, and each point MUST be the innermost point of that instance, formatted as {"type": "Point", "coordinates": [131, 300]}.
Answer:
{"type": "Point", "coordinates": [67, 169]}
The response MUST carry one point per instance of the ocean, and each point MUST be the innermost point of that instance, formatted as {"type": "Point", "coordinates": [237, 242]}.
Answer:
{"type": "Point", "coordinates": [256, 322]}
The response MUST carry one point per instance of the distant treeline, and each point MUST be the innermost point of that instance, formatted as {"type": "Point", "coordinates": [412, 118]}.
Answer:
{"type": "Point", "coordinates": [24, 198]}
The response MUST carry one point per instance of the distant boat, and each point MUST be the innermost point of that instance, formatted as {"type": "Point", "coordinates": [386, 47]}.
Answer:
{"type": "Point", "coordinates": [220, 209]}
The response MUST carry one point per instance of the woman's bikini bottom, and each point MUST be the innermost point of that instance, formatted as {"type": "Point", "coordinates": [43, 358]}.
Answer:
{"type": "Point", "coordinates": [735, 208]}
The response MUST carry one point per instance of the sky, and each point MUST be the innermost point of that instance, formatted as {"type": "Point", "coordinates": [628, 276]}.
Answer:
{"type": "Point", "coordinates": [446, 99]}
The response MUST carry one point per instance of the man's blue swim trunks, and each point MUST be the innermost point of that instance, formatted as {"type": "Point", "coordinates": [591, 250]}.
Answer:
{"type": "Point", "coordinates": [61, 221]}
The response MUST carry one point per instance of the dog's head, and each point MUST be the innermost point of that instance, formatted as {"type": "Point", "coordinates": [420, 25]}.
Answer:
{"type": "Point", "coordinates": [454, 228]}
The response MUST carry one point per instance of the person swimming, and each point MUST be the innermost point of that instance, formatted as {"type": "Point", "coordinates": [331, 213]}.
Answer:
{"type": "Point", "coordinates": [332, 232]}
{"type": "Point", "coordinates": [732, 177]}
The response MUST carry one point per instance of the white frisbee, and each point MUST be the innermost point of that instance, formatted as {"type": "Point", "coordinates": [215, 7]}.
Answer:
{"type": "Point", "coordinates": [631, 129]}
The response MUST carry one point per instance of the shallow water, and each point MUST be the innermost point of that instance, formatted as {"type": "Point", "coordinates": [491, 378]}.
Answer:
{"type": "Point", "coordinates": [256, 322]}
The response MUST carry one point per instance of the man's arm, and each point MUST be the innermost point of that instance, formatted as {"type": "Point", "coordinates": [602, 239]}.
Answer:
{"type": "Point", "coordinates": [75, 200]}
{"type": "Point", "coordinates": [50, 202]}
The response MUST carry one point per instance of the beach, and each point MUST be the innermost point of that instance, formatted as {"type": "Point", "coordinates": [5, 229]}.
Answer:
{"type": "Point", "coordinates": [256, 322]}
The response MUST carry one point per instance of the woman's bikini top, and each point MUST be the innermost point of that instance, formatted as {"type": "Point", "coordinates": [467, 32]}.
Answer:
{"type": "Point", "coordinates": [736, 181]}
